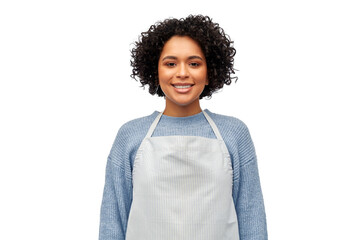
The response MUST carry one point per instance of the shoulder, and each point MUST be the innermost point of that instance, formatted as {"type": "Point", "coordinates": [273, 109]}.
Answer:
{"type": "Point", "coordinates": [129, 137]}
{"type": "Point", "coordinates": [227, 123]}
{"type": "Point", "coordinates": [236, 136]}
{"type": "Point", "coordinates": [137, 125]}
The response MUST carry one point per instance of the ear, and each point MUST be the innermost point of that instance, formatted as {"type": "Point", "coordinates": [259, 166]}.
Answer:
{"type": "Point", "coordinates": [207, 81]}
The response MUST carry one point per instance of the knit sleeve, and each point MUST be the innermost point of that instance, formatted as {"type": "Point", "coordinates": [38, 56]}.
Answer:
{"type": "Point", "coordinates": [117, 194]}
{"type": "Point", "coordinates": [247, 194]}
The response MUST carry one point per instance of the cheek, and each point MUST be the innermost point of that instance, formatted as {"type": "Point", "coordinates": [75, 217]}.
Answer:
{"type": "Point", "coordinates": [201, 76]}
{"type": "Point", "coordinates": [164, 74]}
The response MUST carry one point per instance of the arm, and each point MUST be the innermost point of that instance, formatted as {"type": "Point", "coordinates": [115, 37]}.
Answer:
{"type": "Point", "coordinates": [117, 195]}
{"type": "Point", "coordinates": [248, 198]}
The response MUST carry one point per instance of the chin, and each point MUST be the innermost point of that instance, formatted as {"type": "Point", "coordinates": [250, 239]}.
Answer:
{"type": "Point", "coordinates": [184, 103]}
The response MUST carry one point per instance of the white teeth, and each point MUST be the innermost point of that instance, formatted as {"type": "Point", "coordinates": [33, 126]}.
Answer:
{"type": "Point", "coordinates": [185, 86]}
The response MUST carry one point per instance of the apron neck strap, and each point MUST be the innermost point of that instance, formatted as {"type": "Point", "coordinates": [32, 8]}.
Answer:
{"type": "Point", "coordinates": [208, 118]}
{"type": "Point", "coordinates": [153, 125]}
{"type": "Point", "coordinates": [213, 126]}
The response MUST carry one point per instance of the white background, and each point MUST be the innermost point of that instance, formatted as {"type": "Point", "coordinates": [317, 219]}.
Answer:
{"type": "Point", "coordinates": [65, 91]}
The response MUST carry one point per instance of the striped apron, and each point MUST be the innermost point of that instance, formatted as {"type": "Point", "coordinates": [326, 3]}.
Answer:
{"type": "Point", "coordinates": [182, 189]}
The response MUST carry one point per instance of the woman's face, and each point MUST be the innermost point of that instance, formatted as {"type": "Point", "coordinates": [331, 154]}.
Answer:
{"type": "Point", "coordinates": [182, 73]}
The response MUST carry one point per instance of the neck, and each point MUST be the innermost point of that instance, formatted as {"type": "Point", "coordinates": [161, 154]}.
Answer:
{"type": "Point", "coordinates": [175, 110]}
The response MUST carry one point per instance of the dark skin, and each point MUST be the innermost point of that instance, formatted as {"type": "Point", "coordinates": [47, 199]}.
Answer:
{"type": "Point", "coordinates": [182, 76]}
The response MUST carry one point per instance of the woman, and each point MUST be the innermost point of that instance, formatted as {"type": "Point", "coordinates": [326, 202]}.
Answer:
{"type": "Point", "coordinates": [183, 173]}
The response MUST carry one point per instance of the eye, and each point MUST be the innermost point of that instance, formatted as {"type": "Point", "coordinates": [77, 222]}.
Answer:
{"type": "Point", "coordinates": [170, 64]}
{"type": "Point", "coordinates": [194, 64]}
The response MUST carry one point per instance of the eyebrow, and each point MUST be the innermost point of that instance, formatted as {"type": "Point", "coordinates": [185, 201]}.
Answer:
{"type": "Point", "coordinates": [173, 57]}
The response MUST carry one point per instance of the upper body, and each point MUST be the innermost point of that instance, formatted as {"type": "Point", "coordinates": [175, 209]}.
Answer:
{"type": "Point", "coordinates": [183, 60]}
{"type": "Point", "coordinates": [247, 195]}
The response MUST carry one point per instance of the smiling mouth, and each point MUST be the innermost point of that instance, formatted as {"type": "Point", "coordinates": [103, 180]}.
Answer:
{"type": "Point", "coordinates": [183, 86]}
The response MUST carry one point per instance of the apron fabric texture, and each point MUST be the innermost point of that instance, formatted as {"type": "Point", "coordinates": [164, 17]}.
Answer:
{"type": "Point", "coordinates": [182, 189]}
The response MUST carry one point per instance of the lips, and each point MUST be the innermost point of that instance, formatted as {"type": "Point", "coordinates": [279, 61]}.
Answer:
{"type": "Point", "coordinates": [182, 87]}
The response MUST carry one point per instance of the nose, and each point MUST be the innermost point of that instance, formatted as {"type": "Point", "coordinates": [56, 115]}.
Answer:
{"type": "Point", "coordinates": [182, 71]}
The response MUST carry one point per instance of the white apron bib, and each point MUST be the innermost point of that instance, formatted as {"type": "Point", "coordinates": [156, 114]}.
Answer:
{"type": "Point", "coordinates": [182, 189]}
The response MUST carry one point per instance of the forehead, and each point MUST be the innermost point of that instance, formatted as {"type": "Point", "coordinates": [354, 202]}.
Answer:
{"type": "Point", "coordinates": [181, 46]}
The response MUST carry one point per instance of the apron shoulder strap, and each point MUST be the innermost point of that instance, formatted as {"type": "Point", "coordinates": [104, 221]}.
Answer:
{"type": "Point", "coordinates": [213, 126]}
{"type": "Point", "coordinates": [153, 125]}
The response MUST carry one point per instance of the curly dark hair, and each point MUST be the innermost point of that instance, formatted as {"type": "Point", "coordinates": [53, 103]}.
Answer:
{"type": "Point", "coordinates": [216, 45]}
